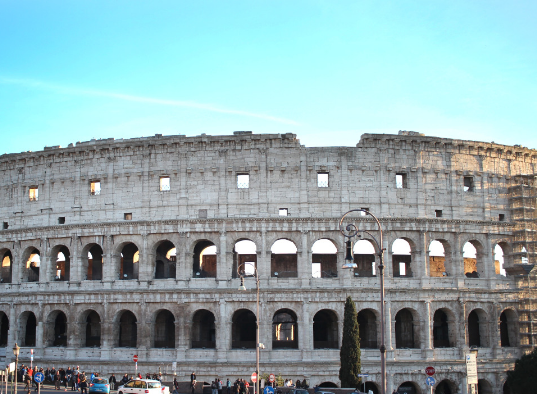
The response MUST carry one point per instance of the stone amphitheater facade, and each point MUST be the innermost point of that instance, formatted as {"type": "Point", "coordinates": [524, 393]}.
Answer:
{"type": "Point", "coordinates": [104, 256]}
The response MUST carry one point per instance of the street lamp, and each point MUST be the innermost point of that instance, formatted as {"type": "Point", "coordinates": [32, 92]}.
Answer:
{"type": "Point", "coordinates": [16, 351]}
{"type": "Point", "coordinates": [257, 344]}
{"type": "Point", "coordinates": [349, 232]}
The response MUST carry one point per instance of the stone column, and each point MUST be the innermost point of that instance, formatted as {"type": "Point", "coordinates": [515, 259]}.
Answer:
{"type": "Point", "coordinates": [428, 331]}
{"type": "Point", "coordinates": [223, 263]}
{"type": "Point", "coordinates": [305, 331]}
{"type": "Point", "coordinates": [75, 264]}
{"type": "Point", "coordinates": [263, 258]}
{"type": "Point", "coordinates": [462, 331]}
{"type": "Point", "coordinates": [47, 266]}
{"type": "Point", "coordinates": [146, 261]}
{"type": "Point", "coordinates": [457, 261]}
{"type": "Point", "coordinates": [303, 263]}
{"type": "Point", "coordinates": [389, 325]}
{"type": "Point", "coordinates": [110, 272]}
{"type": "Point", "coordinates": [39, 335]}
{"type": "Point", "coordinates": [388, 261]}
{"type": "Point", "coordinates": [13, 333]}
{"type": "Point", "coordinates": [16, 265]}
{"type": "Point", "coordinates": [183, 262]}
{"type": "Point", "coordinates": [222, 332]}
{"type": "Point", "coordinates": [486, 258]}
{"type": "Point", "coordinates": [420, 259]}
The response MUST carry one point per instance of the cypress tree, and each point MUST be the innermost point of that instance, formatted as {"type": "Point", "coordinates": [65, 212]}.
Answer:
{"type": "Point", "coordinates": [350, 347]}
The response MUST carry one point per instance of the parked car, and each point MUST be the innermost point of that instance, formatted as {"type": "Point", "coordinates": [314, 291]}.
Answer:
{"type": "Point", "coordinates": [143, 386]}
{"type": "Point", "coordinates": [297, 391]}
{"type": "Point", "coordinates": [99, 385]}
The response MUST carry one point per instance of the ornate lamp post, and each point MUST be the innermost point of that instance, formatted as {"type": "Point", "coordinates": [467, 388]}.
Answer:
{"type": "Point", "coordinates": [242, 274]}
{"type": "Point", "coordinates": [16, 351]}
{"type": "Point", "coordinates": [349, 232]}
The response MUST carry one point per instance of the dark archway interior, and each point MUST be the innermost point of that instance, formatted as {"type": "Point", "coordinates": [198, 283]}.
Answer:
{"type": "Point", "coordinates": [60, 330]}
{"type": "Point", "coordinates": [203, 330]}
{"type": "Point", "coordinates": [128, 333]}
{"type": "Point", "coordinates": [30, 330]}
{"type": "Point", "coordinates": [440, 330]}
{"type": "Point", "coordinates": [243, 330]}
{"type": "Point", "coordinates": [93, 330]}
{"type": "Point", "coordinates": [404, 330]}
{"type": "Point", "coordinates": [325, 330]}
{"type": "Point", "coordinates": [95, 263]}
{"type": "Point", "coordinates": [474, 338]}
{"type": "Point", "coordinates": [284, 330]}
{"type": "Point", "coordinates": [367, 323]}
{"type": "Point", "coordinates": [165, 330]}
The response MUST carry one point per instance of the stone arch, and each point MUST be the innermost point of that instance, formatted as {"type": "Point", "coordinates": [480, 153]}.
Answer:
{"type": "Point", "coordinates": [126, 329]}
{"type": "Point", "coordinates": [283, 259]}
{"type": "Point", "coordinates": [91, 328]}
{"type": "Point", "coordinates": [60, 262]}
{"type": "Point", "coordinates": [165, 261]}
{"type": "Point", "coordinates": [407, 329]}
{"type": "Point", "coordinates": [367, 324]}
{"type": "Point", "coordinates": [92, 259]}
{"type": "Point", "coordinates": [164, 329]}
{"type": "Point", "coordinates": [204, 259]}
{"type": "Point", "coordinates": [440, 261]}
{"type": "Point", "coordinates": [27, 329]}
{"type": "Point", "coordinates": [243, 329]}
{"type": "Point", "coordinates": [244, 253]}
{"type": "Point", "coordinates": [477, 328]}
{"type": "Point", "coordinates": [364, 257]}
{"type": "Point", "coordinates": [56, 329]}
{"type": "Point", "coordinates": [484, 387]}
{"type": "Point", "coordinates": [508, 328]}
{"type": "Point", "coordinates": [325, 330]}
{"type": "Point", "coordinates": [203, 330]}
{"type": "Point", "coordinates": [472, 253]}
{"type": "Point", "coordinates": [284, 330]}
{"type": "Point", "coordinates": [324, 258]}
{"type": "Point", "coordinates": [402, 258]}
{"type": "Point", "coordinates": [409, 387]}
{"type": "Point", "coordinates": [444, 333]}
{"type": "Point", "coordinates": [446, 386]}
{"type": "Point", "coordinates": [6, 259]}
{"type": "Point", "coordinates": [31, 259]}
{"type": "Point", "coordinates": [129, 258]}
{"type": "Point", "coordinates": [4, 329]}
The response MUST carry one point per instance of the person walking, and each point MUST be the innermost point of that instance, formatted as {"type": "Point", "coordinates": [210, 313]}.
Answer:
{"type": "Point", "coordinates": [112, 382]}
{"type": "Point", "coordinates": [83, 383]}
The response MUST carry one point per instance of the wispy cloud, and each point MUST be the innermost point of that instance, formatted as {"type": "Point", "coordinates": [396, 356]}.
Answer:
{"type": "Point", "coordinates": [31, 83]}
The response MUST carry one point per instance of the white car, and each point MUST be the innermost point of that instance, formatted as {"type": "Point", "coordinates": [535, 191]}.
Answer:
{"type": "Point", "coordinates": [143, 386]}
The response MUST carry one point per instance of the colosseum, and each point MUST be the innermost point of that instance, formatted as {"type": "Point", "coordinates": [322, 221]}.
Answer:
{"type": "Point", "coordinates": [114, 248]}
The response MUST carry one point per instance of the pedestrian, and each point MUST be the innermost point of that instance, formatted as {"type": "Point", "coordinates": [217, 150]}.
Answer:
{"type": "Point", "coordinates": [112, 382]}
{"type": "Point", "coordinates": [192, 377]}
{"type": "Point", "coordinates": [219, 383]}
{"type": "Point", "coordinates": [57, 380]}
{"type": "Point", "coordinates": [228, 385]}
{"type": "Point", "coordinates": [83, 383]}
{"type": "Point", "coordinates": [193, 386]}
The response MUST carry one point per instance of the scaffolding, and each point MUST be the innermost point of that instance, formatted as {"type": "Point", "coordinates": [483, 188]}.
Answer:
{"type": "Point", "coordinates": [523, 256]}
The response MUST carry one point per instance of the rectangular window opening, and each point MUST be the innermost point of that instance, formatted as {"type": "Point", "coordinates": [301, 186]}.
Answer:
{"type": "Point", "coordinates": [468, 184]}
{"type": "Point", "coordinates": [243, 181]}
{"type": "Point", "coordinates": [400, 181]}
{"type": "Point", "coordinates": [164, 183]}
{"type": "Point", "coordinates": [402, 269]}
{"type": "Point", "coordinates": [33, 193]}
{"type": "Point", "coordinates": [127, 216]}
{"type": "Point", "coordinates": [501, 217]}
{"type": "Point", "coordinates": [202, 214]}
{"type": "Point", "coordinates": [438, 213]}
{"type": "Point", "coordinates": [322, 179]}
{"type": "Point", "coordinates": [316, 270]}
{"type": "Point", "coordinates": [95, 188]}
{"type": "Point", "coordinates": [284, 212]}
{"type": "Point", "coordinates": [5, 225]}
{"type": "Point", "coordinates": [61, 220]}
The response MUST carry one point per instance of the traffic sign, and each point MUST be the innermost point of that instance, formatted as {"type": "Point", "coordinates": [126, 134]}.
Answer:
{"type": "Point", "coordinates": [254, 377]}
{"type": "Point", "coordinates": [268, 390]}
{"type": "Point", "coordinates": [430, 371]}
{"type": "Point", "coordinates": [363, 375]}
{"type": "Point", "coordinates": [39, 377]}
{"type": "Point", "coordinates": [135, 358]}
{"type": "Point", "coordinates": [430, 381]}
{"type": "Point", "coordinates": [271, 378]}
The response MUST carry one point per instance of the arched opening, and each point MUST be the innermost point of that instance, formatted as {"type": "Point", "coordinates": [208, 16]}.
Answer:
{"type": "Point", "coordinates": [283, 259]}
{"type": "Point", "coordinates": [128, 332]}
{"type": "Point", "coordinates": [95, 263]}
{"type": "Point", "coordinates": [166, 259]}
{"type": "Point", "coordinates": [367, 323]}
{"type": "Point", "coordinates": [4, 329]}
{"type": "Point", "coordinates": [284, 330]}
{"type": "Point", "coordinates": [364, 257]}
{"type": "Point", "coordinates": [499, 259]}
{"type": "Point", "coordinates": [245, 255]}
{"type": "Point", "coordinates": [92, 330]}
{"type": "Point", "coordinates": [401, 258]}
{"type": "Point", "coordinates": [203, 330]}
{"type": "Point", "coordinates": [7, 264]}
{"type": "Point", "coordinates": [440, 329]}
{"type": "Point", "coordinates": [439, 262]}
{"type": "Point", "coordinates": [405, 331]}
{"type": "Point", "coordinates": [325, 330]}
{"type": "Point", "coordinates": [446, 387]}
{"type": "Point", "coordinates": [324, 259]}
{"type": "Point", "coordinates": [369, 386]}
{"type": "Point", "coordinates": [58, 331]}
{"type": "Point", "coordinates": [470, 256]}
{"type": "Point", "coordinates": [477, 335]}
{"type": "Point", "coordinates": [328, 384]}
{"type": "Point", "coordinates": [508, 328]}
{"type": "Point", "coordinates": [484, 387]}
{"type": "Point", "coordinates": [63, 263]}
{"type": "Point", "coordinates": [33, 263]}
{"type": "Point", "coordinates": [130, 257]}
{"type": "Point", "coordinates": [29, 327]}
{"type": "Point", "coordinates": [408, 388]}
{"type": "Point", "coordinates": [243, 330]}
{"type": "Point", "coordinates": [164, 330]}
{"type": "Point", "coordinates": [204, 265]}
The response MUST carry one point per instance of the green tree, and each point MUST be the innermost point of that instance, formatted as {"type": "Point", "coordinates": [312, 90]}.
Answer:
{"type": "Point", "coordinates": [350, 347]}
{"type": "Point", "coordinates": [523, 378]}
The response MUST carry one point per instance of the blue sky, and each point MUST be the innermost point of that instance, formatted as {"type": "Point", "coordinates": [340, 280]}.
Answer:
{"type": "Point", "coordinates": [328, 71]}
